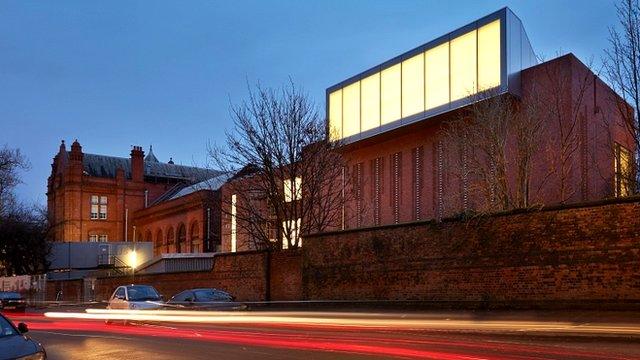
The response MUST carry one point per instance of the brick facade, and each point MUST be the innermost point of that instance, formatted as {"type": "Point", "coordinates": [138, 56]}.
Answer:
{"type": "Point", "coordinates": [118, 188]}
{"type": "Point", "coordinates": [408, 173]}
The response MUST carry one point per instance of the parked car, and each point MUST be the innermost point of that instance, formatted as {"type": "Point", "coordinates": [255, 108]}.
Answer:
{"type": "Point", "coordinates": [205, 299]}
{"type": "Point", "coordinates": [12, 301]}
{"type": "Point", "coordinates": [14, 344]}
{"type": "Point", "coordinates": [135, 297]}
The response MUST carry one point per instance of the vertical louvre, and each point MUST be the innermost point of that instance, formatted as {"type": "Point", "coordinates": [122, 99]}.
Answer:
{"type": "Point", "coordinates": [417, 182]}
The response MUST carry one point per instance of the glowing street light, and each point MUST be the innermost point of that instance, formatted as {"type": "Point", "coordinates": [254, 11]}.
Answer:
{"type": "Point", "coordinates": [132, 259]}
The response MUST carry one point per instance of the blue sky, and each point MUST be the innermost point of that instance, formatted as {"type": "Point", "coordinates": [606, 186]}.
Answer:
{"type": "Point", "coordinates": [115, 74]}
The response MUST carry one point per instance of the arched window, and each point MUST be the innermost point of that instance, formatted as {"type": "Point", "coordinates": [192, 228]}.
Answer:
{"type": "Point", "coordinates": [182, 239]}
{"type": "Point", "coordinates": [194, 235]}
{"type": "Point", "coordinates": [147, 236]}
{"type": "Point", "coordinates": [158, 245]}
{"type": "Point", "coordinates": [171, 241]}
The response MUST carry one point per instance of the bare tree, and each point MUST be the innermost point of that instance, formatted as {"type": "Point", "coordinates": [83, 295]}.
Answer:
{"type": "Point", "coordinates": [622, 70]}
{"type": "Point", "coordinates": [561, 102]}
{"type": "Point", "coordinates": [11, 162]}
{"type": "Point", "coordinates": [289, 180]}
{"type": "Point", "coordinates": [494, 135]}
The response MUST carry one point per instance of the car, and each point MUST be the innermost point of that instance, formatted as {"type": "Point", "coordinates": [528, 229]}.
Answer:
{"type": "Point", "coordinates": [204, 299]}
{"type": "Point", "coordinates": [14, 344]}
{"type": "Point", "coordinates": [12, 301]}
{"type": "Point", "coordinates": [135, 297]}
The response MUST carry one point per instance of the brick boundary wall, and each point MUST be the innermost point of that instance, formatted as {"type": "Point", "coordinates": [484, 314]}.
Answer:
{"type": "Point", "coordinates": [71, 290]}
{"type": "Point", "coordinates": [243, 274]}
{"type": "Point", "coordinates": [574, 256]}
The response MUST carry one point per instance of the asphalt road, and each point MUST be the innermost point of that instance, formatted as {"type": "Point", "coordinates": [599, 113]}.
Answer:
{"type": "Point", "coordinates": [68, 338]}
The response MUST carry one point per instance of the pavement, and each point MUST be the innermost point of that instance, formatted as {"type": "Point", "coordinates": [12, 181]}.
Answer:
{"type": "Point", "coordinates": [74, 333]}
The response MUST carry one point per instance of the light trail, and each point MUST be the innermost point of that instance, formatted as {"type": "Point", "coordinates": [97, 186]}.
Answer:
{"type": "Point", "coordinates": [346, 320]}
{"type": "Point", "coordinates": [323, 338]}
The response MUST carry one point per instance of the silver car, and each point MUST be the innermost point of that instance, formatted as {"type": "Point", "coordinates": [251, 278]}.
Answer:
{"type": "Point", "coordinates": [135, 297]}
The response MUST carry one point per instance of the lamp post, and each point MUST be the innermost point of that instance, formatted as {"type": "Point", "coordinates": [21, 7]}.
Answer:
{"type": "Point", "coordinates": [132, 261]}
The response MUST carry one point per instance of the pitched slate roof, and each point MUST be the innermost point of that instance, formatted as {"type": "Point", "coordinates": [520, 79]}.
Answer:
{"type": "Point", "coordinates": [184, 189]}
{"type": "Point", "coordinates": [106, 166]}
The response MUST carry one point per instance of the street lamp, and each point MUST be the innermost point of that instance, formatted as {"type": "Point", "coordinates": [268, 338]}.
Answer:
{"type": "Point", "coordinates": [132, 261]}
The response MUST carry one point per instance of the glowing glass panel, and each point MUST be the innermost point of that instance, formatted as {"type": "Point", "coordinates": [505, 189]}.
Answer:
{"type": "Point", "coordinates": [370, 102]}
{"type": "Point", "coordinates": [489, 56]}
{"type": "Point", "coordinates": [351, 110]}
{"type": "Point", "coordinates": [390, 98]}
{"type": "Point", "coordinates": [413, 85]}
{"type": "Point", "coordinates": [463, 66]}
{"type": "Point", "coordinates": [436, 69]}
{"type": "Point", "coordinates": [335, 115]}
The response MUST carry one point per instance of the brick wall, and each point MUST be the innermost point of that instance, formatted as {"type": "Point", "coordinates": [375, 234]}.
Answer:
{"type": "Point", "coordinates": [71, 290]}
{"type": "Point", "coordinates": [286, 275]}
{"type": "Point", "coordinates": [554, 257]}
{"type": "Point", "coordinates": [241, 274]}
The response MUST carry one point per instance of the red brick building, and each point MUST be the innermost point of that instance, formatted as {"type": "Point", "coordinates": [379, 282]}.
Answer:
{"type": "Point", "coordinates": [390, 119]}
{"type": "Point", "coordinates": [105, 198]}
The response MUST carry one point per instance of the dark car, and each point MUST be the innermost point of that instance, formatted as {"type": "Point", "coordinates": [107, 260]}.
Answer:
{"type": "Point", "coordinates": [15, 345]}
{"type": "Point", "coordinates": [205, 299]}
{"type": "Point", "coordinates": [12, 301]}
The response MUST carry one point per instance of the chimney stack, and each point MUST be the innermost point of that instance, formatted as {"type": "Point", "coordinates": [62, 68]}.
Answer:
{"type": "Point", "coordinates": [137, 164]}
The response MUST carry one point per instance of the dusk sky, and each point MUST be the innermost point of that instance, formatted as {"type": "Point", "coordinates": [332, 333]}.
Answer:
{"type": "Point", "coordinates": [115, 74]}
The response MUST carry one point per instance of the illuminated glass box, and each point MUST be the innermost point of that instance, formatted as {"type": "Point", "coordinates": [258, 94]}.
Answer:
{"type": "Point", "coordinates": [484, 57]}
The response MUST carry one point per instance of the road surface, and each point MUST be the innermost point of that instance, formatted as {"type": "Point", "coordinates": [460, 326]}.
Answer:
{"type": "Point", "coordinates": [342, 336]}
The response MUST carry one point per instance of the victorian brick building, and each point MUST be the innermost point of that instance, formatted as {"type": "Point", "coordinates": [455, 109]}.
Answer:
{"type": "Point", "coordinates": [105, 198]}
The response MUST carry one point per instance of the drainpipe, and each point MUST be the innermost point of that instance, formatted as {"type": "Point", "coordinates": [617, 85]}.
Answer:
{"type": "Point", "coordinates": [146, 198]}
{"type": "Point", "coordinates": [126, 224]}
{"type": "Point", "coordinates": [209, 229]}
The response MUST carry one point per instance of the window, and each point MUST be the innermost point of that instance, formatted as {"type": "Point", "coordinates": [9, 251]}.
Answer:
{"type": "Point", "coordinates": [98, 207]}
{"type": "Point", "coordinates": [489, 56]}
{"type": "Point", "coordinates": [95, 206]}
{"type": "Point", "coordinates": [463, 66]}
{"type": "Point", "coordinates": [291, 227]}
{"type": "Point", "coordinates": [335, 115]}
{"type": "Point", "coordinates": [390, 97]}
{"type": "Point", "coordinates": [351, 110]}
{"type": "Point", "coordinates": [185, 296]}
{"type": "Point", "coordinates": [452, 70]}
{"type": "Point", "coordinates": [370, 102]}
{"type": "Point", "coordinates": [98, 238]}
{"type": "Point", "coordinates": [436, 73]}
{"type": "Point", "coordinates": [413, 85]}
{"type": "Point", "coordinates": [182, 239]}
{"type": "Point", "coordinates": [293, 189]}
{"type": "Point", "coordinates": [624, 177]}
{"type": "Point", "coordinates": [120, 293]}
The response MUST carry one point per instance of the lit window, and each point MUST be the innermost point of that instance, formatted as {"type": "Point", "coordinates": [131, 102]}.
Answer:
{"type": "Point", "coordinates": [335, 115]}
{"type": "Point", "coordinates": [370, 102]}
{"type": "Point", "coordinates": [623, 171]}
{"type": "Point", "coordinates": [463, 66]}
{"type": "Point", "coordinates": [292, 189]}
{"type": "Point", "coordinates": [95, 206]}
{"type": "Point", "coordinates": [489, 56]}
{"type": "Point", "coordinates": [293, 228]}
{"type": "Point", "coordinates": [390, 79]}
{"type": "Point", "coordinates": [103, 207]}
{"type": "Point", "coordinates": [233, 223]}
{"type": "Point", "coordinates": [98, 238]}
{"type": "Point", "coordinates": [413, 85]}
{"type": "Point", "coordinates": [436, 73]}
{"type": "Point", "coordinates": [351, 110]}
